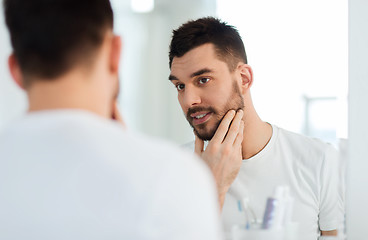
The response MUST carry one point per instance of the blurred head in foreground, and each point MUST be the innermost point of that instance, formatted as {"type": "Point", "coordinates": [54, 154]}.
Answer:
{"type": "Point", "coordinates": [65, 54]}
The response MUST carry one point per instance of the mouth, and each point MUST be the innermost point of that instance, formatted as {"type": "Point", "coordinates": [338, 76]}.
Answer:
{"type": "Point", "coordinates": [200, 117]}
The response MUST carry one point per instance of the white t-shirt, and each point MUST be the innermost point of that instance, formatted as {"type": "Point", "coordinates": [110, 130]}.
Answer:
{"type": "Point", "coordinates": [308, 166]}
{"type": "Point", "coordinates": [69, 174]}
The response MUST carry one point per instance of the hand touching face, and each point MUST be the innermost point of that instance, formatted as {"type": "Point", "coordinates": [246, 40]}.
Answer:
{"type": "Point", "coordinates": [224, 152]}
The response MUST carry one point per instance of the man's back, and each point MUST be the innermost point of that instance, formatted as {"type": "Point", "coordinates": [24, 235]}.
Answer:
{"type": "Point", "coordinates": [68, 174]}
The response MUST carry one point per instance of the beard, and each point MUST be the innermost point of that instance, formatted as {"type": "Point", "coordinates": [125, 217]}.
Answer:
{"type": "Point", "coordinates": [235, 102]}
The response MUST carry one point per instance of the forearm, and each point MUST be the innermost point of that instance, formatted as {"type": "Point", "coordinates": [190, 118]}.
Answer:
{"type": "Point", "coordinates": [329, 233]}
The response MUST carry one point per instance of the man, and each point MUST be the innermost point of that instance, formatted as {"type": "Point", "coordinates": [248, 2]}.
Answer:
{"type": "Point", "coordinates": [66, 170]}
{"type": "Point", "coordinates": [209, 69]}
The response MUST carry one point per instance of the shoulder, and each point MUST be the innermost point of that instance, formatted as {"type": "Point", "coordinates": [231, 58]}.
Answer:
{"type": "Point", "coordinates": [88, 135]}
{"type": "Point", "coordinates": [188, 146]}
{"type": "Point", "coordinates": [300, 141]}
{"type": "Point", "coordinates": [184, 154]}
{"type": "Point", "coordinates": [152, 153]}
{"type": "Point", "coordinates": [306, 149]}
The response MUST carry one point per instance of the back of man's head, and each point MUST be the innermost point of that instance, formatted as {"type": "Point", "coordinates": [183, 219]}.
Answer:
{"type": "Point", "coordinates": [225, 38]}
{"type": "Point", "coordinates": [49, 37]}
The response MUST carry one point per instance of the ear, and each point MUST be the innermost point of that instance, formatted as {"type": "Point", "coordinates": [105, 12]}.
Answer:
{"type": "Point", "coordinates": [246, 74]}
{"type": "Point", "coordinates": [15, 71]}
{"type": "Point", "coordinates": [116, 47]}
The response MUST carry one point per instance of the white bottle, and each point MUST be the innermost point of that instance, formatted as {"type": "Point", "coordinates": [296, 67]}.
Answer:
{"type": "Point", "coordinates": [278, 209]}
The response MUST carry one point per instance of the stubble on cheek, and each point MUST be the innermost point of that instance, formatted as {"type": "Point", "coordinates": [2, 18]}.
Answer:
{"type": "Point", "coordinates": [208, 129]}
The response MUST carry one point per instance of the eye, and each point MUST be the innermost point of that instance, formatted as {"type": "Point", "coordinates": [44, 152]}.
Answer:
{"type": "Point", "coordinates": [203, 80]}
{"type": "Point", "coordinates": [180, 86]}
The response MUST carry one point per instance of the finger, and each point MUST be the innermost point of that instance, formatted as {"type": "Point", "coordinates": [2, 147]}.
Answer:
{"type": "Point", "coordinates": [234, 128]}
{"type": "Point", "coordinates": [199, 144]}
{"type": "Point", "coordinates": [239, 137]}
{"type": "Point", "coordinates": [223, 127]}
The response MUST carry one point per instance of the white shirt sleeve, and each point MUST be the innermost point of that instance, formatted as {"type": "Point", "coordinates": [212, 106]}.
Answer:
{"type": "Point", "coordinates": [331, 213]}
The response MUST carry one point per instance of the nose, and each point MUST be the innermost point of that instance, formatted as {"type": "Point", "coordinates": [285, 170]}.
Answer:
{"type": "Point", "coordinates": [190, 97]}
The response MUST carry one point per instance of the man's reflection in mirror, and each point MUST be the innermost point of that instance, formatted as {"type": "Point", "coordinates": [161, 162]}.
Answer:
{"type": "Point", "coordinates": [210, 70]}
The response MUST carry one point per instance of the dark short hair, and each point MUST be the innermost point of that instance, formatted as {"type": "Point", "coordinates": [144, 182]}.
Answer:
{"type": "Point", "coordinates": [226, 39]}
{"type": "Point", "coordinates": [50, 36]}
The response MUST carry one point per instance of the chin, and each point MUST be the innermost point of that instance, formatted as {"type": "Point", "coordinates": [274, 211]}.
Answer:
{"type": "Point", "coordinates": [205, 135]}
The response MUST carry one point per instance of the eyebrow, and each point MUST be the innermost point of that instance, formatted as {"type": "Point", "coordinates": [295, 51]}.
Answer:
{"type": "Point", "coordinates": [197, 73]}
{"type": "Point", "coordinates": [200, 72]}
{"type": "Point", "coordinates": [172, 77]}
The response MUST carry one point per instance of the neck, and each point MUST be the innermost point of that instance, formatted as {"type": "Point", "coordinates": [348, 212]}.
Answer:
{"type": "Point", "coordinates": [256, 132]}
{"type": "Point", "coordinates": [72, 91]}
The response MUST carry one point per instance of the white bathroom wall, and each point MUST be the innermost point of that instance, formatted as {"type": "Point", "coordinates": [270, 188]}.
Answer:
{"type": "Point", "coordinates": [298, 50]}
{"type": "Point", "coordinates": [357, 176]}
